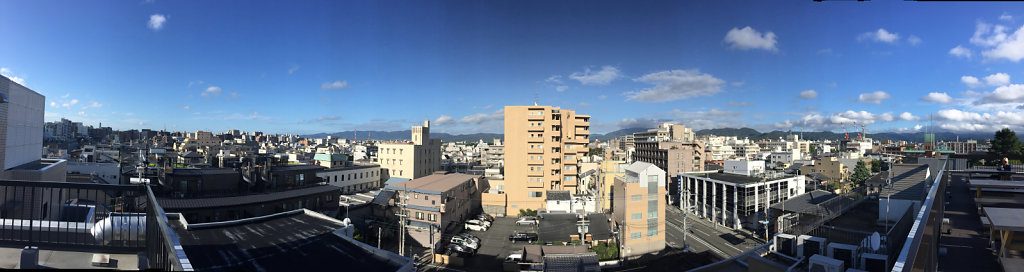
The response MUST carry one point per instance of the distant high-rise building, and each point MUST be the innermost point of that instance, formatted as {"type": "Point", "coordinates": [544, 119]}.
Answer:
{"type": "Point", "coordinates": [412, 159]}
{"type": "Point", "coordinates": [543, 146]}
{"type": "Point", "coordinates": [673, 148]}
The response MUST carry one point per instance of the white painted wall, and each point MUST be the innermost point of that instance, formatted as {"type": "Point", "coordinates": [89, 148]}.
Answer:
{"type": "Point", "coordinates": [24, 126]}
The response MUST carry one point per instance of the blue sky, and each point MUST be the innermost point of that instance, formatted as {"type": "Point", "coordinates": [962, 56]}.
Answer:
{"type": "Point", "coordinates": [326, 66]}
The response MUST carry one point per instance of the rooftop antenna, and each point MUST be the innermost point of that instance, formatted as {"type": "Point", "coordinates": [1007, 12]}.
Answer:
{"type": "Point", "coordinates": [535, 98]}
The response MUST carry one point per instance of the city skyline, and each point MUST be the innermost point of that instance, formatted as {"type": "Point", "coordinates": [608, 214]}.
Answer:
{"type": "Point", "coordinates": [316, 67]}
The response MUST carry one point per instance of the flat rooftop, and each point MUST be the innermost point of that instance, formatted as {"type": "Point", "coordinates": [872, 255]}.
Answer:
{"type": "Point", "coordinates": [435, 183]}
{"type": "Point", "coordinates": [10, 258]}
{"type": "Point", "coordinates": [291, 241]}
{"type": "Point", "coordinates": [735, 178]}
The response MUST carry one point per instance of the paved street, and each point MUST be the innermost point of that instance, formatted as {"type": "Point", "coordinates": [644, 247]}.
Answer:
{"type": "Point", "coordinates": [703, 236]}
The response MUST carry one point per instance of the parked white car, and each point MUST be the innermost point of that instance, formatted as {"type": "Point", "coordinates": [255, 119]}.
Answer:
{"type": "Point", "coordinates": [466, 242]}
{"type": "Point", "coordinates": [527, 221]}
{"type": "Point", "coordinates": [476, 225]}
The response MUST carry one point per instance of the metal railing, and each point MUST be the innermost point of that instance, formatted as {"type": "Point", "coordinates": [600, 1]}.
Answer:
{"type": "Point", "coordinates": [87, 217]}
{"type": "Point", "coordinates": [920, 250]}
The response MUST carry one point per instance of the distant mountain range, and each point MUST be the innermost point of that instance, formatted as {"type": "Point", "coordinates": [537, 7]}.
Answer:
{"type": "Point", "coordinates": [738, 132]}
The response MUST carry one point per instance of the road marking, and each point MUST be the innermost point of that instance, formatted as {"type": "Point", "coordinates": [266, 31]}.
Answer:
{"type": "Point", "coordinates": [698, 239]}
{"type": "Point", "coordinates": [709, 235]}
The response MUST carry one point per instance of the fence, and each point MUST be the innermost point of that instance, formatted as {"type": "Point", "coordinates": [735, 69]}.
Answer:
{"type": "Point", "coordinates": [920, 250]}
{"type": "Point", "coordinates": [87, 217]}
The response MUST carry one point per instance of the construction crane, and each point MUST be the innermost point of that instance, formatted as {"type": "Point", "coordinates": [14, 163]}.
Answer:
{"type": "Point", "coordinates": [846, 133]}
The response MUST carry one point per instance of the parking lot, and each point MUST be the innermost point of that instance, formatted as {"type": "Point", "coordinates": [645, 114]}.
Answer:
{"type": "Point", "coordinates": [494, 244]}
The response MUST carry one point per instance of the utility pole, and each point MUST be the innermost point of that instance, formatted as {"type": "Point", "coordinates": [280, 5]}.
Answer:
{"type": "Point", "coordinates": [401, 233]}
{"type": "Point", "coordinates": [432, 245]}
{"type": "Point", "coordinates": [378, 236]}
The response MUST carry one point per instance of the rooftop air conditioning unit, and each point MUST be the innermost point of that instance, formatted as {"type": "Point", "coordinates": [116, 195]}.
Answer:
{"type": "Point", "coordinates": [785, 244]}
{"type": "Point", "coordinates": [820, 263]}
{"type": "Point", "coordinates": [874, 262]}
{"type": "Point", "coordinates": [809, 245]}
{"type": "Point", "coordinates": [843, 252]}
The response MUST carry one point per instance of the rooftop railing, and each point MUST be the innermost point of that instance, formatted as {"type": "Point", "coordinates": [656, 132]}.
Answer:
{"type": "Point", "coordinates": [920, 250]}
{"type": "Point", "coordinates": [88, 217]}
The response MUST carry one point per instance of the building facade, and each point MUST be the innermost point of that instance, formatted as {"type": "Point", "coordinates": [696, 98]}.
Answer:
{"type": "Point", "coordinates": [736, 201]}
{"type": "Point", "coordinates": [673, 148]}
{"type": "Point", "coordinates": [413, 159]}
{"type": "Point", "coordinates": [638, 209]}
{"type": "Point", "coordinates": [352, 179]}
{"type": "Point", "coordinates": [439, 201]}
{"type": "Point", "coordinates": [543, 147]}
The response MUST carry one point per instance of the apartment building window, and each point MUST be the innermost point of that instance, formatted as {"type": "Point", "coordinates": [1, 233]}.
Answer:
{"type": "Point", "coordinates": [431, 217]}
{"type": "Point", "coordinates": [536, 194]}
{"type": "Point", "coordinates": [419, 215]}
{"type": "Point", "coordinates": [635, 235]}
{"type": "Point", "coordinates": [636, 216]}
{"type": "Point", "coordinates": [652, 227]}
{"type": "Point", "coordinates": [635, 197]}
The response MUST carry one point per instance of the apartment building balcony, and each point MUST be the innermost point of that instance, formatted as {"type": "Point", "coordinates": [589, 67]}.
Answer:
{"type": "Point", "coordinates": [535, 117]}
{"type": "Point", "coordinates": [535, 162]}
{"type": "Point", "coordinates": [535, 150]}
{"type": "Point", "coordinates": [582, 130]}
{"type": "Point", "coordinates": [73, 223]}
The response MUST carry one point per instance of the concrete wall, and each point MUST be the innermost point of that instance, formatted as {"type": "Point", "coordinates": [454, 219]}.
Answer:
{"type": "Point", "coordinates": [21, 124]}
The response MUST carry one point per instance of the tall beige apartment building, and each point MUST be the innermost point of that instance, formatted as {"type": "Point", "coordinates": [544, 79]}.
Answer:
{"type": "Point", "coordinates": [413, 159]}
{"type": "Point", "coordinates": [543, 146]}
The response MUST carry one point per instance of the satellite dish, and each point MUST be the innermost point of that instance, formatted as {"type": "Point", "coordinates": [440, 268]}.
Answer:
{"type": "Point", "coordinates": [875, 240]}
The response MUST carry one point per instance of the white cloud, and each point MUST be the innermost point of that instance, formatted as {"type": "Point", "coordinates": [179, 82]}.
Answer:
{"type": "Point", "coordinates": [7, 73]}
{"type": "Point", "coordinates": [1006, 17]}
{"type": "Point", "coordinates": [481, 118]}
{"type": "Point", "coordinates": [234, 95]}
{"type": "Point", "coordinates": [583, 104]}
{"type": "Point", "coordinates": [880, 35]}
{"type": "Point", "coordinates": [996, 34]}
{"type": "Point", "coordinates": [186, 107]}
{"type": "Point", "coordinates": [937, 97]}
{"type": "Point", "coordinates": [334, 85]}
{"type": "Point", "coordinates": [675, 85]}
{"type": "Point", "coordinates": [913, 40]}
{"type": "Point", "coordinates": [1013, 93]}
{"type": "Point", "coordinates": [971, 82]}
{"type": "Point", "coordinates": [557, 79]}
{"type": "Point", "coordinates": [909, 117]}
{"type": "Point", "coordinates": [211, 91]}
{"type": "Point", "coordinates": [293, 69]}
{"type": "Point", "coordinates": [81, 113]}
{"type": "Point", "coordinates": [960, 51]}
{"type": "Point", "coordinates": [94, 104]}
{"type": "Point", "coordinates": [54, 104]}
{"type": "Point", "coordinates": [1009, 47]}
{"type": "Point", "coordinates": [328, 118]}
{"type": "Point", "coordinates": [875, 97]}
{"type": "Point", "coordinates": [156, 21]}
{"type": "Point", "coordinates": [561, 88]}
{"type": "Point", "coordinates": [606, 75]}
{"type": "Point", "coordinates": [602, 96]}
{"type": "Point", "coordinates": [65, 95]}
{"type": "Point", "coordinates": [808, 94]}
{"type": "Point", "coordinates": [998, 79]}
{"type": "Point", "coordinates": [747, 38]}
{"type": "Point", "coordinates": [70, 103]}
{"type": "Point", "coordinates": [443, 120]}
{"type": "Point", "coordinates": [958, 115]}
{"type": "Point", "coordinates": [193, 83]}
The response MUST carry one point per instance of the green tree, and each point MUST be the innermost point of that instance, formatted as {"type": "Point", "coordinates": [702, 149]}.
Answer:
{"type": "Point", "coordinates": [860, 174]}
{"type": "Point", "coordinates": [812, 149]}
{"type": "Point", "coordinates": [1006, 144]}
{"type": "Point", "coordinates": [876, 166]}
